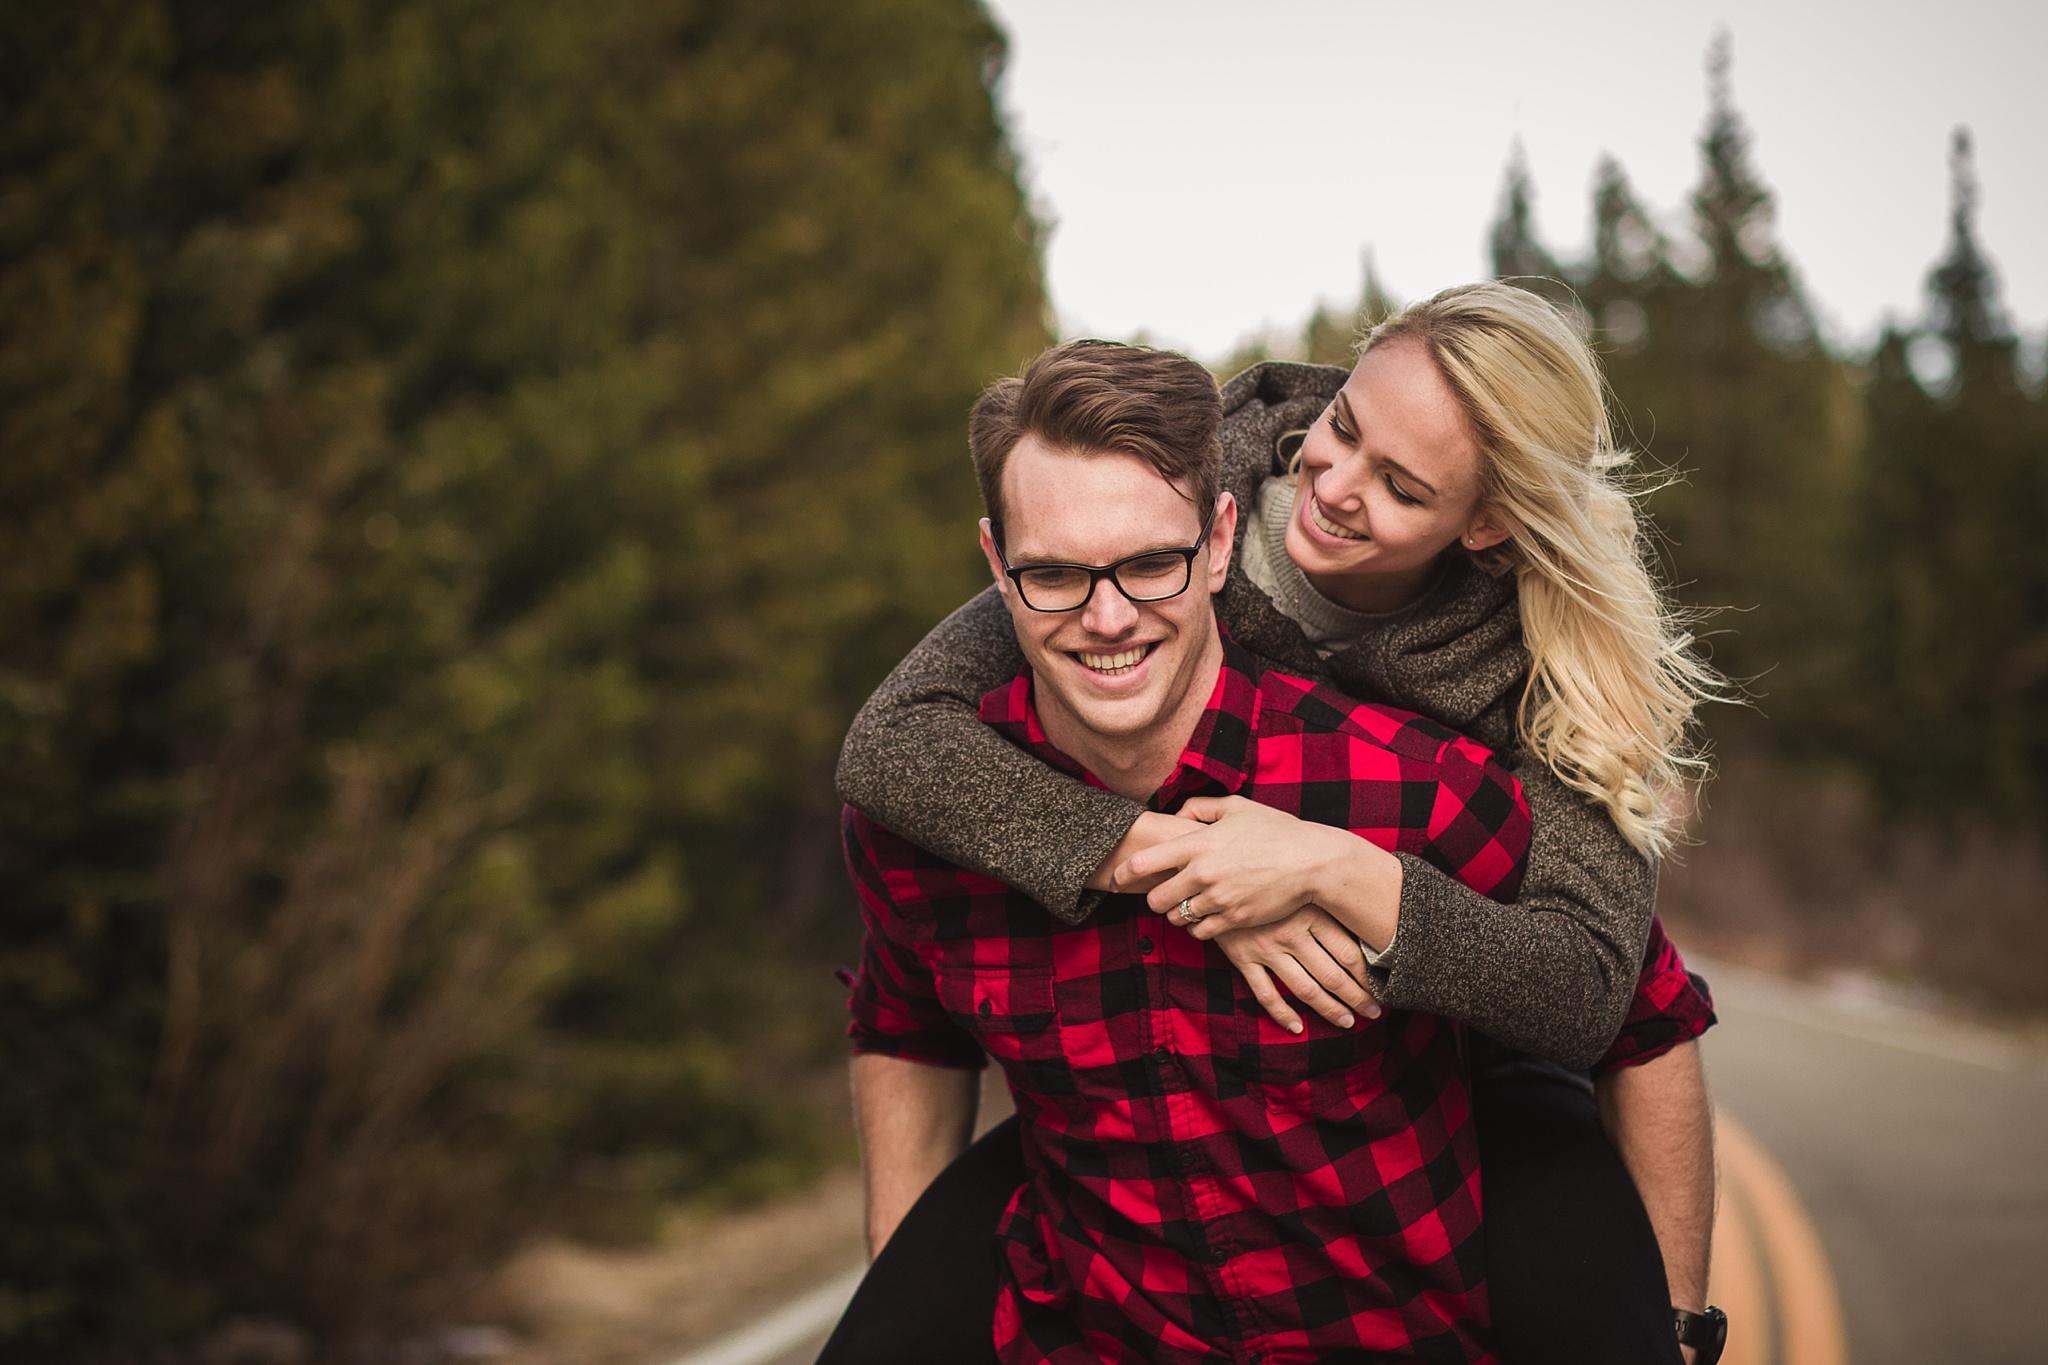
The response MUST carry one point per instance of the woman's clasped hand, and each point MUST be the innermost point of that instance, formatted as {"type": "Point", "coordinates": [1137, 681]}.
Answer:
{"type": "Point", "coordinates": [1286, 901]}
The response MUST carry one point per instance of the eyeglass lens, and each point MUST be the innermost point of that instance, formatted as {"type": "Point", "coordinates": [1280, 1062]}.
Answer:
{"type": "Point", "coordinates": [1147, 578]}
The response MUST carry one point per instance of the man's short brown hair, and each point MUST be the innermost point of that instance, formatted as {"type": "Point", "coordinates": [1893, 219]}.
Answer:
{"type": "Point", "coordinates": [1093, 396]}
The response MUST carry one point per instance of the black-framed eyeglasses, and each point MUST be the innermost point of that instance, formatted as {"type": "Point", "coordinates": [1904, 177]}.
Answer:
{"type": "Point", "coordinates": [1152, 576]}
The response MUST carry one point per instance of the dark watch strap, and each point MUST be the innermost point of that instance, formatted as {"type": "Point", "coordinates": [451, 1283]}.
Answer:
{"type": "Point", "coordinates": [1706, 1333]}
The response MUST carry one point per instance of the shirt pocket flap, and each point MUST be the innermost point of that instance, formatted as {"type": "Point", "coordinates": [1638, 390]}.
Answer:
{"type": "Point", "coordinates": [998, 1001]}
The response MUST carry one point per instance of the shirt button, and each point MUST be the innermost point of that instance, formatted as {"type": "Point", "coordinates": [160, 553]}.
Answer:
{"type": "Point", "coordinates": [987, 1008]}
{"type": "Point", "coordinates": [1144, 945]}
{"type": "Point", "coordinates": [1160, 1052]}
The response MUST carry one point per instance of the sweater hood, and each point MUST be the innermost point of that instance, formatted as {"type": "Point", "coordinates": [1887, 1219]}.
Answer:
{"type": "Point", "coordinates": [1455, 656]}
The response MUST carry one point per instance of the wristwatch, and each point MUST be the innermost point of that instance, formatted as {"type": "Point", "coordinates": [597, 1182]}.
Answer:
{"type": "Point", "coordinates": [1706, 1333]}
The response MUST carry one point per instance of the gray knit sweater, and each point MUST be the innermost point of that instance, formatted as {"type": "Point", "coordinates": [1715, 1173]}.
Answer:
{"type": "Point", "coordinates": [1552, 973]}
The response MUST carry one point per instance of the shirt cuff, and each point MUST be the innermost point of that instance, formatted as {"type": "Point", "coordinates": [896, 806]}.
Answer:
{"type": "Point", "coordinates": [1373, 955]}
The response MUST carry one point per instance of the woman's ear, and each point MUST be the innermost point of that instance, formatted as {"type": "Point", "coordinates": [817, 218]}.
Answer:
{"type": "Point", "coordinates": [1489, 527]}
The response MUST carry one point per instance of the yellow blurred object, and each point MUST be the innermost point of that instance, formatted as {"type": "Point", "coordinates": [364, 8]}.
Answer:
{"type": "Point", "coordinates": [1770, 1273]}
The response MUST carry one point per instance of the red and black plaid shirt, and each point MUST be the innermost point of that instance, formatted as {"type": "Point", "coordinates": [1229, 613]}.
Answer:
{"type": "Point", "coordinates": [1205, 1186]}
{"type": "Point", "coordinates": [1671, 1006]}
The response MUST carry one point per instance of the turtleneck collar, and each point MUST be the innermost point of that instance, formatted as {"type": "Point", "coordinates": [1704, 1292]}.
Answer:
{"type": "Point", "coordinates": [1264, 559]}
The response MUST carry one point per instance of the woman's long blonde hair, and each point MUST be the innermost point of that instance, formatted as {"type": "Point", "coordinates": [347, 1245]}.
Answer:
{"type": "Point", "coordinates": [1613, 680]}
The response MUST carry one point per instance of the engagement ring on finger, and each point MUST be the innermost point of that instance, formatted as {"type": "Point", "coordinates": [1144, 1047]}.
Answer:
{"type": "Point", "coordinates": [1187, 914]}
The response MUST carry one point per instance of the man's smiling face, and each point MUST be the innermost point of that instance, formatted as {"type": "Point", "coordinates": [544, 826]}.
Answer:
{"type": "Point", "coordinates": [1120, 672]}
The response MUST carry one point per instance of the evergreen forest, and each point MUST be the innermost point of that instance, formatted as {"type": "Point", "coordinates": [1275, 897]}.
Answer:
{"type": "Point", "coordinates": [461, 465]}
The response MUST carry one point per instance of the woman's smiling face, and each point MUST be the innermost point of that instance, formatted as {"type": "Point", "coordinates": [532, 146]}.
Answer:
{"type": "Point", "coordinates": [1390, 479]}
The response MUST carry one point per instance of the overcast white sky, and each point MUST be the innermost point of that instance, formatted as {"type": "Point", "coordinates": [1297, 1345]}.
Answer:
{"type": "Point", "coordinates": [1210, 166]}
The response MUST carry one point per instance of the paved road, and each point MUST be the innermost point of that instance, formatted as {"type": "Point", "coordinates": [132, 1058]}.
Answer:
{"type": "Point", "coordinates": [1920, 1150]}
{"type": "Point", "coordinates": [1917, 1149]}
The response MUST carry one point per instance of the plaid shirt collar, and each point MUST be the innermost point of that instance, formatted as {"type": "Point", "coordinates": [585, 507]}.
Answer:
{"type": "Point", "coordinates": [1219, 756]}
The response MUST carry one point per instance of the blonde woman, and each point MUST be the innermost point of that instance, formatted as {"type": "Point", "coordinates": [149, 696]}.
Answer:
{"type": "Point", "coordinates": [1442, 529]}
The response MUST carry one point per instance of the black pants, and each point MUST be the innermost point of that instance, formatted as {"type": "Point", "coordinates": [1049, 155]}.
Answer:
{"type": "Point", "coordinates": [1573, 1270]}
{"type": "Point", "coordinates": [1572, 1267]}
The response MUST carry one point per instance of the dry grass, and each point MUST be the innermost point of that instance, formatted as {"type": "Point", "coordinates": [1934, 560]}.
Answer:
{"type": "Point", "coordinates": [573, 1305]}
{"type": "Point", "coordinates": [1801, 874]}
{"type": "Point", "coordinates": [708, 1273]}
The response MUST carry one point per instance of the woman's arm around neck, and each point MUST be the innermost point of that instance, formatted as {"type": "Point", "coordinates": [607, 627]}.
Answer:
{"type": "Point", "coordinates": [919, 760]}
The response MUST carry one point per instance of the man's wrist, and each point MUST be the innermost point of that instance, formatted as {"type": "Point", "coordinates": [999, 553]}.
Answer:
{"type": "Point", "coordinates": [1702, 1335]}
{"type": "Point", "coordinates": [1149, 830]}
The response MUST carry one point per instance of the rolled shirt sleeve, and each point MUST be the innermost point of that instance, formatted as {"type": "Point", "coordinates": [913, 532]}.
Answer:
{"type": "Point", "coordinates": [894, 1004]}
{"type": "Point", "coordinates": [1671, 1006]}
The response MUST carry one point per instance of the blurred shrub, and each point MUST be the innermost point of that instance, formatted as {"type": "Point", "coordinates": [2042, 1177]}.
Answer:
{"type": "Point", "coordinates": [459, 465]}
{"type": "Point", "coordinates": [1805, 873]}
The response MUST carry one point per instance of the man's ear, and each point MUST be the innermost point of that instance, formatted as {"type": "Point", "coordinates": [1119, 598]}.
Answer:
{"type": "Point", "coordinates": [995, 561]}
{"type": "Point", "coordinates": [1222, 535]}
{"type": "Point", "coordinates": [1489, 527]}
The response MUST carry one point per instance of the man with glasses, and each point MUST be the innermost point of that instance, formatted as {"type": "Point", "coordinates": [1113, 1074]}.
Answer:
{"type": "Point", "coordinates": [1201, 1183]}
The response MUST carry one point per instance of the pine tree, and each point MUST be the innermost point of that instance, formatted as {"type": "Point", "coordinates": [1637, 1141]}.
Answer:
{"type": "Point", "coordinates": [1957, 488]}
{"type": "Point", "coordinates": [1330, 336]}
{"type": "Point", "coordinates": [1721, 374]}
{"type": "Point", "coordinates": [1515, 250]}
{"type": "Point", "coordinates": [1629, 287]}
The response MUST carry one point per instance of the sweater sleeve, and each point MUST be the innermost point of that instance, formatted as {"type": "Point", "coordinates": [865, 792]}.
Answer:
{"type": "Point", "coordinates": [1553, 972]}
{"type": "Point", "coordinates": [919, 761]}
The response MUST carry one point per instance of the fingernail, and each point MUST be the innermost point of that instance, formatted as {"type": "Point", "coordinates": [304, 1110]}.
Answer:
{"type": "Point", "coordinates": [1346, 1022]}
{"type": "Point", "coordinates": [1372, 1011]}
{"type": "Point", "coordinates": [1294, 1027]}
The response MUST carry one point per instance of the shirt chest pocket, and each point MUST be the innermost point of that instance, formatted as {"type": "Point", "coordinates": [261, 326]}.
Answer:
{"type": "Point", "coordinates": [1315, 1070]}
{"type": "Point", "coordinates": [1011, 1012]}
